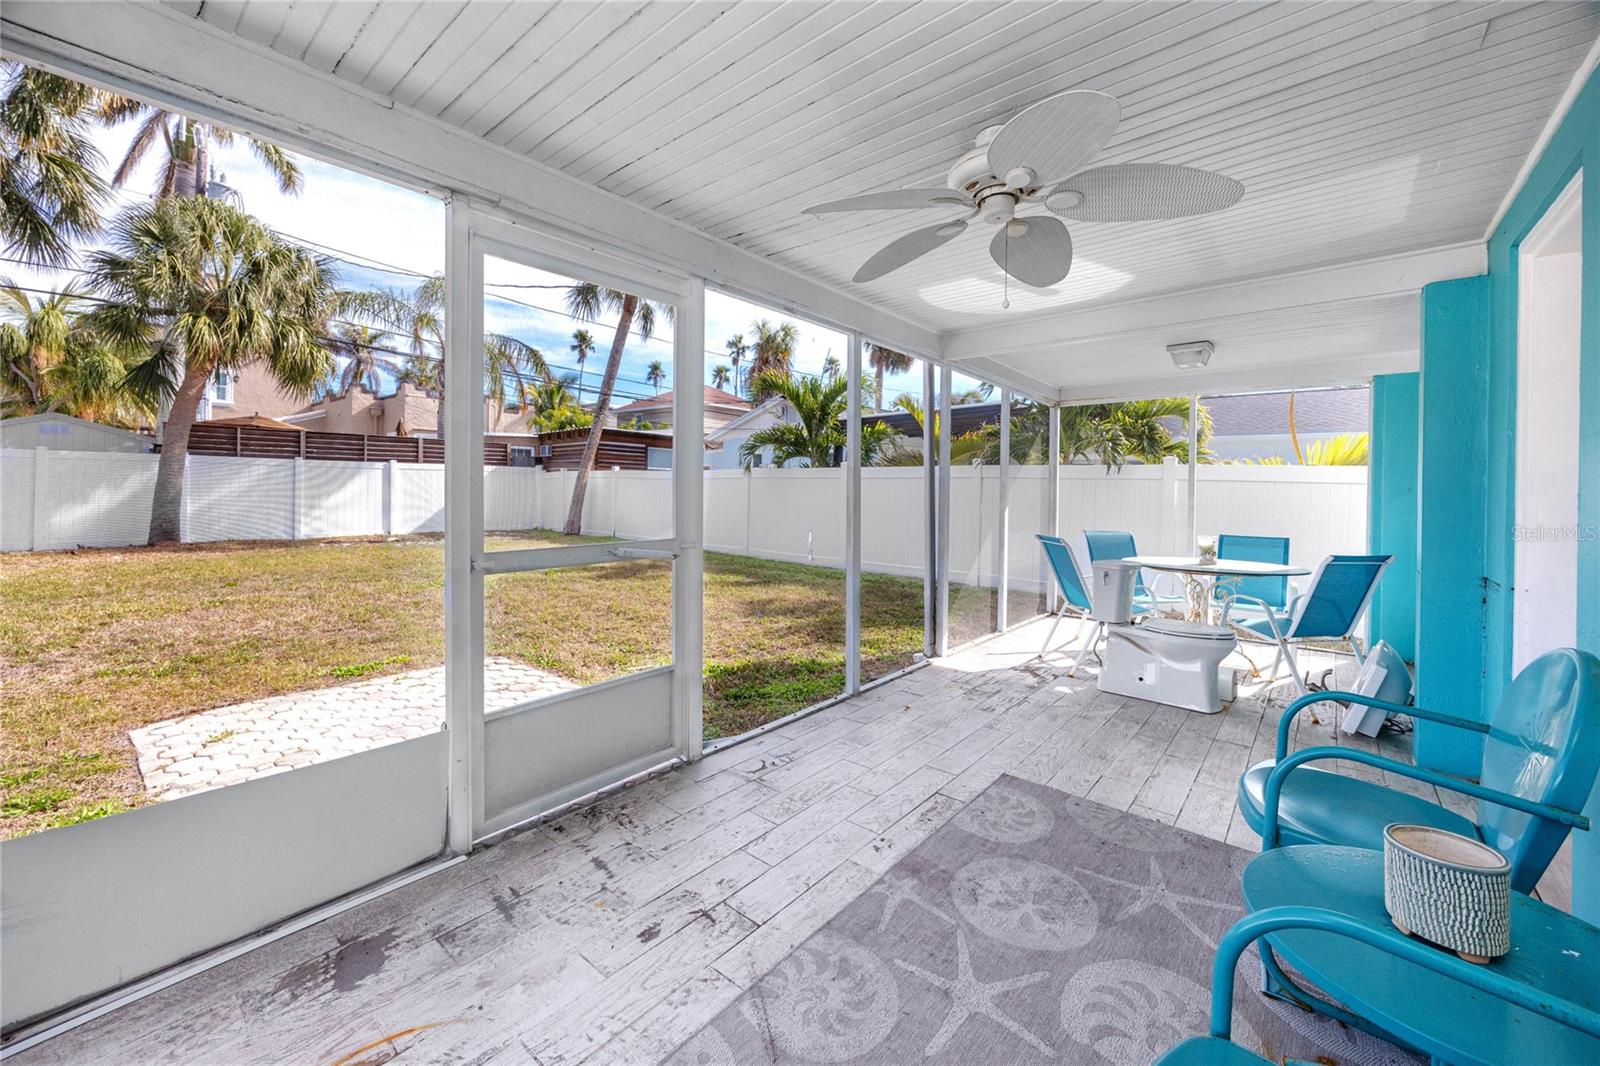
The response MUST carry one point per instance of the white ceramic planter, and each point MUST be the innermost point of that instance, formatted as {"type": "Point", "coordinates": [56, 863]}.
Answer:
{"type": "Point", "coordinates": [1448, 889]}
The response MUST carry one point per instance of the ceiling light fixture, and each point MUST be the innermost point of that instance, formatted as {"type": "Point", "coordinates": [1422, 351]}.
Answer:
{"type": "Point", "coordinates": [1191, 355]}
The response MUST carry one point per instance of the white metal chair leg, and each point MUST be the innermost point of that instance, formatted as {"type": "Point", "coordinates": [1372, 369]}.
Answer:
{"type": "Point", "coordinates": [1294, 668]}
{"type": "Point", "coordinates": [1048, 637]}
{"type": "Point", "coordinates": [1277, 661]}
{"type": "Point", "coordinates": [1088, 645]}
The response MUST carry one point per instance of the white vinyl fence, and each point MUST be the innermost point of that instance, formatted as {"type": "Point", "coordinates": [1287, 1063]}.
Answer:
{"type": "Point", "coordinates": [54, 500]}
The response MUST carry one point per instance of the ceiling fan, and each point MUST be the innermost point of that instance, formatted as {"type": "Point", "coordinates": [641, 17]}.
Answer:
{"type": "Point", "coordinates": [1037, 158]}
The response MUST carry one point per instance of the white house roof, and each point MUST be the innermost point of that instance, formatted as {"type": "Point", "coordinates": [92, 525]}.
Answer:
{"type": "Point", "coordinates": [43, 423]}
{"type": "Point", "coordinates": [764, 413]}
{"type": "Point", "coordinates": [713, 397]}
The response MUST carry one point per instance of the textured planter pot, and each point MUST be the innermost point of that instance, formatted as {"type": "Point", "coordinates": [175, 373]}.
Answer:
{"type": "Point", "coordinates": [1448, 889]}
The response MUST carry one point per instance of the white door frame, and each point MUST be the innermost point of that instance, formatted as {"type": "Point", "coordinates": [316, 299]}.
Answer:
{"type": "Point", "coordinates": [1545, 540]}
{"type": "Point", "coordinates": [475, 231]}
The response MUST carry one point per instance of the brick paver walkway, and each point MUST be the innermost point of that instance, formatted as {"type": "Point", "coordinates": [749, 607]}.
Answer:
{"type": "Point", "coordinates": [248, 740]}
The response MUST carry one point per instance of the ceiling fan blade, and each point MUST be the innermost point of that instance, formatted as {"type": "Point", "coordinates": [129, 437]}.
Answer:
{"type": "Point", "coordinates": [1131, 192]}
{"type": "Point", "coordinates": [893, 200]}
{"type": "Point", "coordinates": [1055, 137]}
{"type": "Point", "coordinates": [1039, 256]}
{"type": "Point", "coordinates": [913, 245]}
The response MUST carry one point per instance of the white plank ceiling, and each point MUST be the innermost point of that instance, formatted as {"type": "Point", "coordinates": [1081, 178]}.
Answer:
{"type": "Point", "coordinates": [1358, 129]}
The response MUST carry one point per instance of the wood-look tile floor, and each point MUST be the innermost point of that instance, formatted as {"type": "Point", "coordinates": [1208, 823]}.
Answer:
{"type": "Point", "coordinates": [613, 934]}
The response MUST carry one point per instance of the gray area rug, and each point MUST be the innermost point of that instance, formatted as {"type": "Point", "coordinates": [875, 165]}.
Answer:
{"type": "Point", "coordinates": [1034, 927]}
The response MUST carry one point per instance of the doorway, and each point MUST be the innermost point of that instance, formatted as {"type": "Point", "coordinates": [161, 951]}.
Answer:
{"type": "Point", "coordinates": [1546, 534]}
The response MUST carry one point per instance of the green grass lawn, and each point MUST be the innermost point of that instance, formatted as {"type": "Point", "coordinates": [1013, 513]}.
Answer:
{"type": "Point", "coordinates": [95, 643]}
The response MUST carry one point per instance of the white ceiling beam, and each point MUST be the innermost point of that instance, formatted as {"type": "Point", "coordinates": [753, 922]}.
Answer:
{"type": "Point", "coordinates": [1365, 280]}
{"type": "Point", "coordinates": [1327, 372]}
{"type": "Point", "coordinates": [161, 54]}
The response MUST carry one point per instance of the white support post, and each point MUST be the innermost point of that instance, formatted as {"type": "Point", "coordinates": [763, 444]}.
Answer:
{"type": "Point", "coordinates": [852, 519]}
{"type": "Point", "coordinates": [463, 524]}
{"type": "Point", "coordinates": [1052, 497]}
{"type": "Point", "coordinates": [942, 641]}
{"type": "Point", "coordinates": [1171, 507]}
{"type": "Point", "coordinates": [391, 474]}
{"type": "Point", "coordinates": [930, 516]}
{"type": "Point", "coordinates": [297, 502]}
{"type": "Point", "coordinates": [39, 535]}
{"type": "Point", "coordinates": [688, 521]}
{"type": "Point", "coordinates": [1194, 473]}
{"type": "Point", "coordinates": [1002, 514]}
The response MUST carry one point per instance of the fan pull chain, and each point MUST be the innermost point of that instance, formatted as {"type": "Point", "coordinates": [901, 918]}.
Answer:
{"type": "Point", "coordinates": [1005, 301]}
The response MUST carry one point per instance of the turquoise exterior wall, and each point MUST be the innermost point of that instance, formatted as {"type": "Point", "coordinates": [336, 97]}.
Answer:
{"type": "Point", "coordinates": [1453, 438]}
{"type": "Point", "coordinates": [1392, 506]}
{"type": "Point", "coordinates": [1468, 474]}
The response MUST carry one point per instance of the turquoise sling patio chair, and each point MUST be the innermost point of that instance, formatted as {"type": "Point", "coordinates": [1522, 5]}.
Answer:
{"type": "Point", "coordinates": [1119, 544]}
{"type": "Point", "coordinates": [1541, 756]}
{"type": "Point", "coordinates": [1069, 581]}
{"type": "Point", "coordinates": [1330, 609]}
{"type": "Point", "coordinates": [1074, 595]}
{"type": "Point", "coordinates": [1218, 1048]}
{"type": "Point", "coordinates": [1272, 591]}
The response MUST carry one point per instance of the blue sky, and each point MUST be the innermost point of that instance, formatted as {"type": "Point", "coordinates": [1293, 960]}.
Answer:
{"type": "Point", "coordinates": [384, 236]}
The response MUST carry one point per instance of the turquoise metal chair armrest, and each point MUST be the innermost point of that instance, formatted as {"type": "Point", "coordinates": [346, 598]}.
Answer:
{"type": "Point", "coordinates": [1367, 701]}
{"type": "Point", "coordinates": [1275, 919]}
{"type": "Point", "coordinates": [1274, 789]}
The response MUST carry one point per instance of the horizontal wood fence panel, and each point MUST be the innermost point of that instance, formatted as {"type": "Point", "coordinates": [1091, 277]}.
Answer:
{"type": "Point", "coordinates": [261, 442]}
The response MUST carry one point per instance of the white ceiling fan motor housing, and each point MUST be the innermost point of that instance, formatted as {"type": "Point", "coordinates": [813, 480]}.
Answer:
{"type": "Point", "coordinates": [997, 204]}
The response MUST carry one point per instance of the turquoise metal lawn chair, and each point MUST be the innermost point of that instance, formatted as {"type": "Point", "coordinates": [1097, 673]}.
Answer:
{"type": "Point", "coordinates": [1330, 609]}
{"type": "Point", "coordinates": [1218, 1049]}
{"type": "Point", "coordinates": [1272, 591]}
{"type": "Point", "coordinates": [1119, 544]}
{"type": "Point", "coordinates": [1074, 594]}
{"type": "Point", "coordinates": [1541, 756]}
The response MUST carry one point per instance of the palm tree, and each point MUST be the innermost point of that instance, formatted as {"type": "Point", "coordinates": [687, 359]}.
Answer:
{"type": "Point", "coordinates": [772, 354]}
{"type": "Point", "coordinates": [655, 374]}
{"type": "Point", "coordinates": [418, 318]}
{"type": "Point", "coordinates": [587, 301]}
{"type": "Point", "coordinates": [582, 345]}
{"type": "Point", "coordinates": [1114, 433]}
{"type": "Point", "coordinates": [966, 448]}
{"type": "Point", "coordinates": [365, 358]}
{"type": "Point", "coordinates": [1341, 449]}
{"type": "Point", "coordinates": [201, 286]}
{"type": "Point", "coordinates": [51, 191]}
{"type": "Point", "coordinates": [188, 145]}
{"type": "Point", "coordinates": [819, 437]}
{"type": "Point", "coordinates": [553, 407]}
{"type": "Point", "coordinates": [830, 366]}
{"type": "Point", "coordinates": [884, 360]}
{"type": "Point", "coordinates": [51, 361]}
{"type": "Point", "coordinates": [737, 350]}
{"type": "Point", "coordinates": [719, 376]}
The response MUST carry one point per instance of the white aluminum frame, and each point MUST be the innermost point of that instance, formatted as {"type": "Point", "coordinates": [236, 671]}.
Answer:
{"type": "Point", "coordinates": [942, 637]}
{"type": "Point", "coordinates": [931, 612]}
{"type": "Point", "coordinates": [1053, 501]}
{"type": "Point", "coordinates": [1002, 516]}
{"type": "Point", "coordinates": [463, 529]}
{"type": "Point", "coordinates": [852, 517]}
{"type": "Point", "coordinates": [474, 232]}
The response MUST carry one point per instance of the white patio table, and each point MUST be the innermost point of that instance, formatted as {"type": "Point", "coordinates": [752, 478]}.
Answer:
{"type": "Point", "coordinates": [1201, 578]}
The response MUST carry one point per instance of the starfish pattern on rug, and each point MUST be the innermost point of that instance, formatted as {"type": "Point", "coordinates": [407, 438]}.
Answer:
{"type": "Point", "coordinates": [897, 889]}
{"type": "Point", "coordinates": [1155, 893]}
{"type": "Point", "coordinates": [969, 996]}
